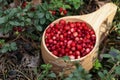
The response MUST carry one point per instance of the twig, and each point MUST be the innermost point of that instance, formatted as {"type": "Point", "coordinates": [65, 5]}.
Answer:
{"type": "Point", "coordinates": [16, 38]}
{"type": "Point", "coordinates": [23, 74]}
{"type": "Point", "coordinates": [24, 39]}
{"type": "Point", "coordinates": [112, 69]}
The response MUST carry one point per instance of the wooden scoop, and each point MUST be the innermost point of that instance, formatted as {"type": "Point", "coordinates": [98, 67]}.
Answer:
{"type": "Point", "coordinates": [94, 20]}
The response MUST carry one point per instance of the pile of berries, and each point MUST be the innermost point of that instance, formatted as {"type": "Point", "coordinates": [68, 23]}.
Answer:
{"type": "Point", "coordinates": [73, 39]}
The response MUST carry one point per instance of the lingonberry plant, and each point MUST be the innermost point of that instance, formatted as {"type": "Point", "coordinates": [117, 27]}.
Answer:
{"type": "Point", "coordinates": [25, 20]}
{"type": "Point", "coordinates": [73, 39]}
{"type": "Point", "coordinates": [61, 8]}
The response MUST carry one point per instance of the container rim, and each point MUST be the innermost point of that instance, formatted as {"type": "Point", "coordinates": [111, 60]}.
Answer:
{"type": "Point", "coordinates": [79, 20]}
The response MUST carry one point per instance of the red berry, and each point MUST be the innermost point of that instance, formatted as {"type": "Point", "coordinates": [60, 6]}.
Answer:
{"type": "Point", "coordinates": [77, 53]}
{"type": "Point", "coordinates": [75, 34]}
{"type": "Point", "coordinates": [15, 28]}
{"type": "Point", "coordinates": [24, 4]}
{"type": "Point", "coordinates": [55, 53]}
{"type": "Point", "coordinates": [32, 9]}
{"type": "Point", "coordinates": [19, 29]}
{"type": "Point", "coordinates": [65, 12]}
{"type": "Point", "coordinates": [53, 12]}
{"type": "Point", "coordinates": [73, 44]}
{"type": "Point", "coordinates": [62, 22]}
{"type": "Point", "coordinates": [79, 47]}
{"type": "Point", "coordinates": [60, 9]}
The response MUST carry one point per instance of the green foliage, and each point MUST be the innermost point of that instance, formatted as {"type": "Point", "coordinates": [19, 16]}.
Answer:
{"type": "Point", "coordinates": [105, 75]}
{"type": "Point", "coordinates": [32, 19]}
{"type": "Point", "coordinates": [3, 3]}
{"type": "Point", "coordinates": [116, 22]}
{"type": "Point", "coordinates": [97, 65]}
{"type": "Point", "coordinates": [2, 41]}
{"type": "Point", "coordinates": [56, 4]}
{"type": "Point", "coordinates": [75, 3]}
{"type": "Point", "coordinates": [79, 74]}
{"type": "Point", "coordinates": [46, 72]}
{"type": "Point", "coordinates": [111, 69]}
{"type": "Point", "coordinates": [69, 5]}
{"type": "Point", "coordinates": [8, 47]}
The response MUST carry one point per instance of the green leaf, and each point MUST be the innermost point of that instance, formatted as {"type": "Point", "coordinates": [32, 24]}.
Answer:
{"type": "Point", "coordinates": [7, 28]}
{"type": "Point", "coordinates": [3, 50]}
{"type": "Point", "coordinates": [40, 15]}
{"type": "Point", "coordinates": [67, 6]}
{"type": "Point", "coordinates": [39, 28]}
{"type": "Point", "coordinates": [1, 0]}
{"type": "Point", "coordinates": [31, 15]}
{"type": "Point", "coordinates": [76, 6]}
{"type": "Point", "coordinates": [2, 41]}
{"type": "Point", "coordinates": [12, 12]}
{"type": "Point", "coordinates": [101, 74]}
{"type": "Point", "coordinates": [22, 18]}
{"type": "Point", "coordinates": [118, 57]}
{"type": "Point", "coordinates": [14, 23]}
{"type": "Point", "coordinates": [28, 20]}
{"type": "Point", "coordinates": [117, 70]}
{"type": "Point", "coordinates": [106, 55]}
{"type": "Point", "coordinates": [2, 20]}
{"type": "Point", "coordinates": [97, 65]}
{"type": "Point", "coordinates": [44, 6]}
{"type": "Point", "coordinates": [42, 21]}
{"type": "Point", "coordinates": [13, 46]}
{"type": "Point", "coordinates": [52, 75]}
{"type": "Point", "coordinates": [65, 58]}
{"type": "Point", "coordinates": [46, 66]}
{"type": "Point", "coordinates": [36, 22]}
{"type": "Point", "coordinates": [47, 15]}
{"type": "Point", "coordinates": [51, 18]}
{"type": "Point", "coordinates": [22, 24]}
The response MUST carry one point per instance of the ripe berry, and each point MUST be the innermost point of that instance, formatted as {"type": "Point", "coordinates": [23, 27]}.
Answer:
{"type": "Point", "coordinates": [53, 12]}
{"type": "Point", "coordinates": [15, 28]}
{"type": "Point", "coordinates": [19, 29]}
{"type": "Point", "coordinates": [62, 22]}
{"type": "Point", "coordinates": [65, 12]}
{"type": "Point", "coordinates": [60, 9]}
{"type": "Point", "coordinates": [32, 9]}
{"type": "Point", "coordinates": [24, 4]}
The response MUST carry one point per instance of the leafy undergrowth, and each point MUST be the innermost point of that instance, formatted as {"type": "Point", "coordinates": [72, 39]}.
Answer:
{"type": "Point", "coordinates": [21, 29]}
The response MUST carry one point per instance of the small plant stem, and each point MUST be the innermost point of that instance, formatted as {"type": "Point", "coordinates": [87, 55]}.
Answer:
{"type": "Point", "coordinates": [16, 38]}
{"type": "Point", "coordinates": [24, 39]}
{"type": "Point", "coordinates": [112, 69]}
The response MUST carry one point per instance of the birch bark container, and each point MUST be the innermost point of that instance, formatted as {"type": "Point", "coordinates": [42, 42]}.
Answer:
{"type": "Point", "coordinates": [94, 20]}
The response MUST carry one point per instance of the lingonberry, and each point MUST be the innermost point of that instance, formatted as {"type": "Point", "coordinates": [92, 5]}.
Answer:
{"type": "Point", "coordinates": [14, 28]}
{"type": "Point", "coordinates": [53, 12]}
{"type": "Point", "coordinates": [24, 4]}
{"type": "Point", "coordinates": [19, 29]}
{"type": "Point", "coordinates": [60, 9]}
{"type": "Point", "coordinates": [65, 12]}
{"type": "Point", "coordinates": [32, 9]}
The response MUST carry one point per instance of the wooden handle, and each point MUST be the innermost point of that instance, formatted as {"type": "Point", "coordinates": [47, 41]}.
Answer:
{"type": "Point", "coordinates": [96, 18]}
